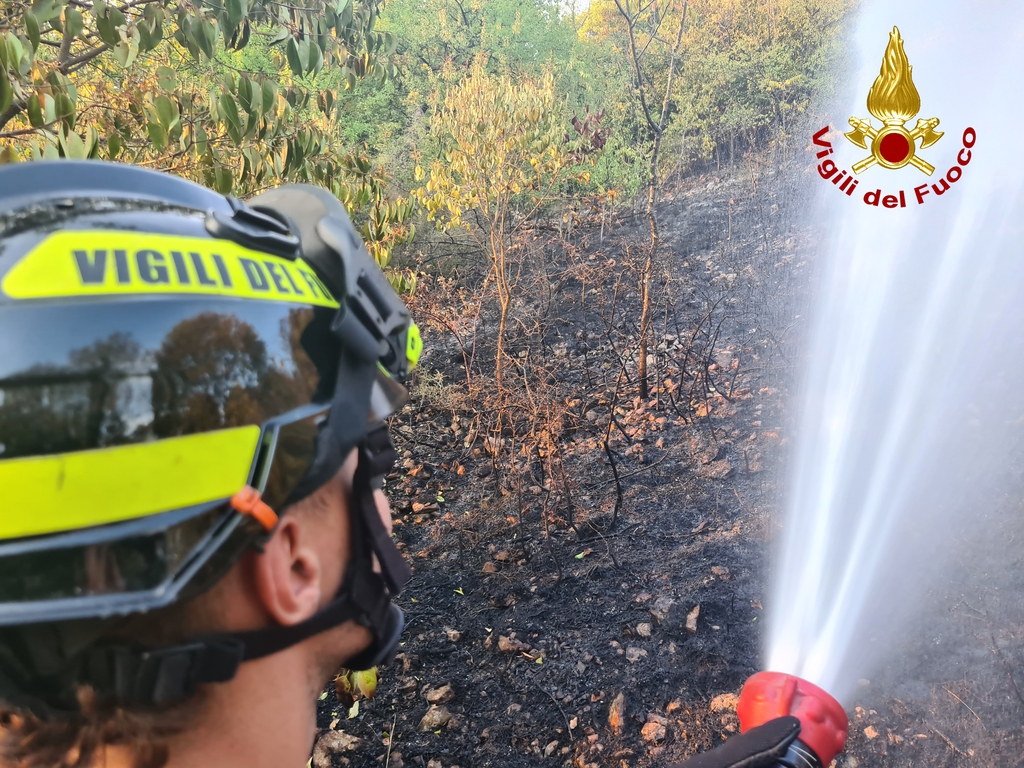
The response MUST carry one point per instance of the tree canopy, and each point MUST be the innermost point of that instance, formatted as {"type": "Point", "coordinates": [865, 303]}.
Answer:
{"type": "Point", "coordinates": [241, 95]}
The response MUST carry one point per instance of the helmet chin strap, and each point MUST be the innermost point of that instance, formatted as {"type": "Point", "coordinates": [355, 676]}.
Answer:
{"type": "Point", "coordinates": [365, 594]}
{"type": "Point", "coordinates": [155, 676]}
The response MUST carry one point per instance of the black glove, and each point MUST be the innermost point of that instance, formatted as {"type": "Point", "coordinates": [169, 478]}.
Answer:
{"type": "Point", "coordinates": [761, 747]}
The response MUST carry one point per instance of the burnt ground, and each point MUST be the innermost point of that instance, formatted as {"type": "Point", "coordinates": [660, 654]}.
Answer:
{"type": "Point", "coordinates": [536, 662]}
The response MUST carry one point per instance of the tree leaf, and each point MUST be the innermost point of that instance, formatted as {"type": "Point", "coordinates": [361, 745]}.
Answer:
{"type": "Point", "coordinates": [235, 12]}
{"type": "Point", "coordinates": [269, 96]}
{"type": "Point", "coordinates": [224, 180]}
{"type": "Point", "coordinates": [151, 28]}
{"type": "Point", "coordinates": [229, 109]}
{"type": "Point", "coordinates": [167, 112]}
{"type": "Point", "coordinates": [157, 135]}
{"type": "Point", "coordinates": [92, 143]}
{"type": "Point", "coordinates": [133, 46]}
{"type": "Point", "coordinates": [243, 39]}
{"type": "Point", "coordinates": [32, 29]}
{"type": "Point", "coordinates": [49, 109]}
{"type": "Point", "coordinates": [74, 22]}
{"type": "Point", "coordinates": [114, 146]}
{"type": "Point", "coordinates": [245, 94]}
{"type": "Point", "coordinates": [107, 30]}
{"type": "Point", "coordinates": [316, 58]}
{"type": "Point", "coordinates": [73, 145]}
{"type": "Point", "coordinates": [210, 35]}
{"type": "Point", "coordinates": [15, 54]}
{"type": "Point", "coordinates": [201, 139]}
{"type": "Point", "coordinates": [166, 78]}
{"type": "Point", "coordinates": [116, 17]}
{"type": "Point", "coordinates": [122, 51]}
{"type": "Point", "coordinates": [65, 110]}
{"type": "Point", "coordinates": [292, 51]}
{"type": "Point", "coordinates": [44, 10]}
{"type": "Point", "coordinates": [35, 111]}
{"type": "Point", "coordinates": [7, 90]}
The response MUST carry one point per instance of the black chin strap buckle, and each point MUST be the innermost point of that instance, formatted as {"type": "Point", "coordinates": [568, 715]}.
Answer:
{"type": "Point", "coordinates": [161, 675]}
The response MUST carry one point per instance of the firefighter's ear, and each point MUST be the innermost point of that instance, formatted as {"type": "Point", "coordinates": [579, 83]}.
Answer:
{"type": "Point", "coordinates": [288, 574]}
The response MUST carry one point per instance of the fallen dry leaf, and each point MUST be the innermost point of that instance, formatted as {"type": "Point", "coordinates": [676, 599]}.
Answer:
{"type": "Point", "coordinates": [617, 714]}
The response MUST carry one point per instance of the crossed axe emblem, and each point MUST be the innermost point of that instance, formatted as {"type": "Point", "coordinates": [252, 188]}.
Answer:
{"type": "Point", "coordinates": [893, 146]}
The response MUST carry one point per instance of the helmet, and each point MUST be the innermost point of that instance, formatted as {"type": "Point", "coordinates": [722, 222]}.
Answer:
{"type": "Point", "coordinates": [176, 369]}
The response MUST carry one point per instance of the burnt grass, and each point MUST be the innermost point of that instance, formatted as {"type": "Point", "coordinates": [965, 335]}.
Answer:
{"type": "Point", "coordinates": [537, 633]}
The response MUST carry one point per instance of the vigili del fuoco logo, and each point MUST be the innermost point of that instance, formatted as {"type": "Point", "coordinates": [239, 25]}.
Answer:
{"type": "Point", "coordinates": [893, 100]}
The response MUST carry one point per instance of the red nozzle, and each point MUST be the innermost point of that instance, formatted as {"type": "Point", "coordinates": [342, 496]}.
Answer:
{"type": "Point", "coordinates": [823, 722]}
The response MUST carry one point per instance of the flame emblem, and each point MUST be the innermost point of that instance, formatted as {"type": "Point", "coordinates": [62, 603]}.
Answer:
{"type": "Point", "coordinates": [894, 100]}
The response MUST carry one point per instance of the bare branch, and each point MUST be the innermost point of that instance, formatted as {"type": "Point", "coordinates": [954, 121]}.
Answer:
{"type": "Point", "coordinates": [65, 46]}
{"type": "Point", "coordinates": [641, 89]}
{"type": "Point", "coordinates": [26, 131]}
{"type": "Point", "coordinates": [76, 63]}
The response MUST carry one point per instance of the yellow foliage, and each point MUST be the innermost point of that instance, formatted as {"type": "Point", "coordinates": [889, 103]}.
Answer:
{"type": "Point", "coordinates": [500, 140]}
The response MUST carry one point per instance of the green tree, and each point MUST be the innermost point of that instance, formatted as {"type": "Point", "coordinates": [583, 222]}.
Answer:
{"type": "Point", "coordinates": [503, 150]}
{"type": "Point", "coordinates": [230, 93]}
{"type": "Point", "coordinates": [153, 82]}
{"type": "Point", "coordinates": [752, 70]}
{"type": "Point", "coordinates": [642, 27]}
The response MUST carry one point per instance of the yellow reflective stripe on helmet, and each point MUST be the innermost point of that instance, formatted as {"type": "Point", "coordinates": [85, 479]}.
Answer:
{"type": "Point", "coordinates": [413, 345]}
{"type": "Point", "coordinates": [69, 491]}
{"type": "Point", "coordinates": [109, 263]}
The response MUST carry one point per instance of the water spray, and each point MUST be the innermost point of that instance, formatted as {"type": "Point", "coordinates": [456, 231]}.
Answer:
{"type": "Point", "coordinates": [823, 722]}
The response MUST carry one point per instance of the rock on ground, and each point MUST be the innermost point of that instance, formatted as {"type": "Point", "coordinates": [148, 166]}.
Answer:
{"type": "Point", "coordinates": [634, 655]}
{"type": "Point", "coordinates": [436, 717]}
{"type": "Point", "coordinates": [691, 619]}
{"type": "Point", "coordinates": [441, 695]}
{"type": "Point", "coordinates": [654, 732]}
{"type": "Point", "coordinates": [511, 645]}
{"type": "Point", "coordinates": [660, 609]}
{"type": "Point", "coordinates": [725, 702]}
{"type": "Point", "coordinates": [718, 470]}
{"type": "Point", "coordinates": [331, 744]}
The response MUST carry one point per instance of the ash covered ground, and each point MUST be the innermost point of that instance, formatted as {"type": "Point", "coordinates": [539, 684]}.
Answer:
{"type": "Point", "coordinates": [598, 645]}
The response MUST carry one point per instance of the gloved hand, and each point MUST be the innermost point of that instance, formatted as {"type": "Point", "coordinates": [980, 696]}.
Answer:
{"type": "Point", "coordinates": [766, 746]}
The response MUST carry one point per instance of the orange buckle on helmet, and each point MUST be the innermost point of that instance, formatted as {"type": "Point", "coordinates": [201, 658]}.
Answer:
{"type": "Point", "coordinates": [248, 502]}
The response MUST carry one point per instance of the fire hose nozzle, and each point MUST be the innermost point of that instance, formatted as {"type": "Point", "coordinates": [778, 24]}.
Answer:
{"type": "Point", "coordinates": [823, 721]}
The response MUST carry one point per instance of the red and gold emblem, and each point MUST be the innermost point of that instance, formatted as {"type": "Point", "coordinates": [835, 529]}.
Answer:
{"type": "Point", "coordinates": [894, 100]}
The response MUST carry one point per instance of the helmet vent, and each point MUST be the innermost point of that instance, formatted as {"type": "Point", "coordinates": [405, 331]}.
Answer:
{"type": "Point", "coordinates": [253, 229]}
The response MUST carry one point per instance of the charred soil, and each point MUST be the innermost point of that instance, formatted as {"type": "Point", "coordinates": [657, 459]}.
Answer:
{"type": "Point", "coordinates": [567, 640]}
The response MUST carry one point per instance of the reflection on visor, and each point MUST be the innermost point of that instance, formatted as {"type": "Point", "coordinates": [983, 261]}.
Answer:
{"type": "Point", "coordinates": [88, 567]}
{"type": "Point", "coordinates": [130, 385]}
{"type": "Point", "coordinates": [295, 458]}
{"type": "Point", "coordinates": [288, 453]}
